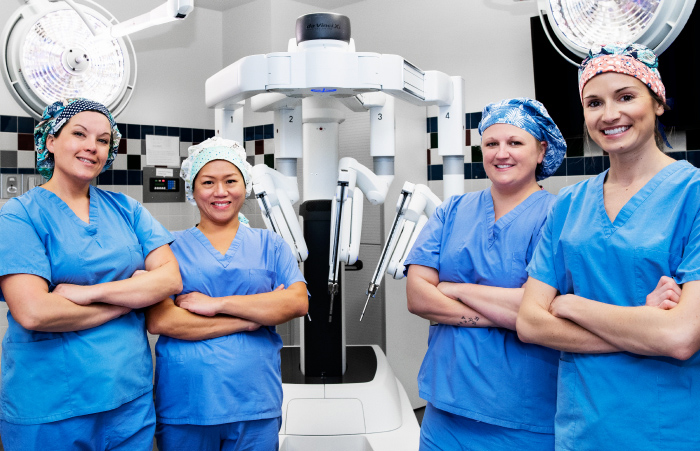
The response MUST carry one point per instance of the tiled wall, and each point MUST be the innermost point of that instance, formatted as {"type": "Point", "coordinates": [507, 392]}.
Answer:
{"type": "Point", "coordinates": [583, 159]}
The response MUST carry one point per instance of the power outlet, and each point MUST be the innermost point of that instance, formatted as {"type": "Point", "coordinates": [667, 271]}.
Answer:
{"type": "Point", "coordinates": [30, 181]}
{"type": "Point", "coordinates": [11, 185]}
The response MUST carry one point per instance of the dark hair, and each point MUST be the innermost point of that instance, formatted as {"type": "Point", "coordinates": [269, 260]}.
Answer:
{"type": "Point", "coordinates": [658, 137]}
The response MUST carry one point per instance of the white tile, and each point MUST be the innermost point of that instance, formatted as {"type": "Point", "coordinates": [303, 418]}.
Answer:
{"type": "Point", "coordinates": [435, 157]}
{"type": "Point", "coordinates": [259, 159]}
{"type": "Point", "coordinates": [184, 146]}
{"type": "Point", "coordinates": [677, 139]}
{"type": "Point", "coordinates": [250, 148]}
{"type": "Point", "coordinates": [133, 147]}
{"type": "Point", "coordinates": [476, 137]}
{"type": "Point", "coordinates": [8, 141]}
{"type": "Point", "coordinates": [25, 159]}
{"type": "Point", "coordinates": [119, 162]}
{"type": "Point", "coordinates": [269, 146]}
{"type": "Point", "coordinates": [591, 149]}
{"type": "Point", "coordinates": [121, 189]}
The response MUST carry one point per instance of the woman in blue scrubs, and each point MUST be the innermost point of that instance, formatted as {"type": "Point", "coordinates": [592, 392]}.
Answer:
{"type": "Point", "coordinates": [218, 379]}
{"type": "Point", "coordinates": [629, 371]}
{"type": "Point", "coordinates": [486, 390]}
{"type": "Point", "coordinates": [78, 263]}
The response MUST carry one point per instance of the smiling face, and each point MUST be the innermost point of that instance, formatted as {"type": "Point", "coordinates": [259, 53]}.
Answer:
{"type": "Point", "coordinates": [620, 113]}
{"type": "Point", "coordinates": [81, 148]}
{"type": "Point", "coordinates": [219, 190]}
{"type": "Point", "coordinates": [511, 156]}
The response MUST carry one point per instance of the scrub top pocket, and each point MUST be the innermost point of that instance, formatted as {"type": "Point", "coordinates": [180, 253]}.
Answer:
{"type": "Point", "coordinates": [261, 281]}
{"type": "Point", "coordinates": [32, 392]}
{"type": "Point", "coordinates": [649, 266]}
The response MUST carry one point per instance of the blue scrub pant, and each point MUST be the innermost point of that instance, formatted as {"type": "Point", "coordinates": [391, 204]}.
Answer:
{"type": "Point", "coordinates": [442, 431]}
{"type": "Point", "coordinates": [254, 435]}
{"type": "Point", "coordinates": [129, 427]}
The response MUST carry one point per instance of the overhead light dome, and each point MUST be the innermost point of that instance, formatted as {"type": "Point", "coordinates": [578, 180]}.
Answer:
{"type": "Point", "coordinates": [582, 24]}
{"type": "Point", "coordinates": [51, 54]}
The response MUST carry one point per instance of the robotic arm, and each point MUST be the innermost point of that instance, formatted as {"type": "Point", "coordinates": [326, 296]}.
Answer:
{"type": "Point", "coordinates": [346, 217]}
{"type": "Point", "coordinates": [416, 204]}
{"type": "Point", "coordinates": [276, 194]}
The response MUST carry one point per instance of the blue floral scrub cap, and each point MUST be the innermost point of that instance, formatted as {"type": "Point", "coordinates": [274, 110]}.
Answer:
{"type": "Point", "coordinates": [531, 116]}
{"type": "Point", "coordinates": [215, 148]}
{"type": "Point", "coordinates": [55, 117]}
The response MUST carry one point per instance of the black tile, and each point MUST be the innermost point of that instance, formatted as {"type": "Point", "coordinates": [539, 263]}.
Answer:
{"type": "Point", "coordinates": [694, 158]}
{"type": "Point", "coordinates": [476, 118]}
{"type": "Point", "coordinates": [467, 121]}
{"type": "Point", "coordinates": [248, 133]}
{"type": "Point", "coordinates": [692, 139]}
{"type": "Point", "coordinates": [606, 162]}
{"type": "Point", "coordinates": [25, 125]}
{"type": "Point", "coordinates": [259, 147]}
{"type": "Point", "coordinates": [133, 131]}
{"type": "Point", "coordinates": [433, 124]}
{"type": "Point", "coordinates": [477, 157]}
{"type": "Point", "coordinates": [209, 133]}
{"type": "Point", "coordinates": [677, 155]}
{"type": "Point", "coordinates": [478, 171]}
{"type": "Point", "coordinates": [435, 172]}
{"type": "Point", "coordinates": [25, 141]}
{"type": "Point", "coordinates": [269, 160]}
{"type": "Point", "coordinates": [133, 162]}
{"type": "Point", "coordinates": [8, 158]}
{"type": "Point", "coordinates": [8, 124]}
{"type": "Point", "coordinates": [147, 130]}
{"type": "Point", "coordinates": [467, 171]}
{"type": "Point", "coordinates": [427, 125]}
{"type": "Point", "coordinates": [160, 130]}
{"type": "Point", "coordinates": [197, 135]}
{"type": "Point", "coordinates": [251, 160]}
{"type": "Point", "coordinates": [105, 178]}
{"type": "Point", "coordinates": [174, 131]}
{"type": "Point", "coordinates": [119, 177]}
{"type": "Point", "coordinates": [122, 146]}
{"type": "Point", "coordinates": [26, 171]}
{"type": "Point", "coordinates": [574, 166]}
{"type": "Point", "coordinates": [574, 147]}
{"type": "Point", "coordinates": [133, 177]}
{"type": "Point", "coordinates": [8, 170]}
{"type": "Point", "coordinates": [122, 129]}
{"type": "Point", "coordinates": [269, 131]}
{"type": "Point", "coordinates": [258, 132]}
{"type": "Point", "coordinates": [592, 165]}
{"type": "Point", "coordinates": [185, 134]}
{"type": "Point", "coordinates": [433, 140]}
{"type": "Point", "coordinates": [561, 170]}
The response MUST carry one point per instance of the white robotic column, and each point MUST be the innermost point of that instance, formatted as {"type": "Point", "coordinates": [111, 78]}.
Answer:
{"type": "Point", "coordinates": [322, 342]}
{"type": "Point", "coordinates": [452, 138]}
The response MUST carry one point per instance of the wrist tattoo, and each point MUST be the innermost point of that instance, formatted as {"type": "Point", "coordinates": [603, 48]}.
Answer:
{"type": "Point", "coordinates": [471, 321]}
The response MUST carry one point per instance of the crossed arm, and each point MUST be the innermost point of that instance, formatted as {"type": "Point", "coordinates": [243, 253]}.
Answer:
{"type": "Point", "coordinates": [667, 325]}
{"type": "Point", "coordinates": [74, 307]}
{"type": "Point", "coordinates": [196, 316]}
{"type": "Point", "coordinates": [460, 304]}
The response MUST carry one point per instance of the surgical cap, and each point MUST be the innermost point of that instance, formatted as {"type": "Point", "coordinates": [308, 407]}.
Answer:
{"type": "Point", "coordinates": [55, 117]}
{"type": "Point", "coordinates": [635, 60]}
{"type": "Point", "coordinates": [209, 150]}
{"type": "Point", "coordinates": [531, 116]}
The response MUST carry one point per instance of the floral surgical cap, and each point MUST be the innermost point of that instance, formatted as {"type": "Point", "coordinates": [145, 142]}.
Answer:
{"type": "Point", "coordinates": [635, 60]}
{"type": "Point", "coordinates": [214, 149]}
{"type": "Point", "coordinates": [531, 116]}
{"type": "Point", "coordinates": [55, 117]}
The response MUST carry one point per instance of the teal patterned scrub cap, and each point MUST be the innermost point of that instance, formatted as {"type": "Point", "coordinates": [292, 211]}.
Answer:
{"type": "Point", "coordinates": [215, 148]}
{"type": "Point", "coordinates": [55, 117]}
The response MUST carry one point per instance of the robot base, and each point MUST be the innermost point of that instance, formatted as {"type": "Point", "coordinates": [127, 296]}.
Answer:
{"type": "Point", "coordinates": [365, 410]}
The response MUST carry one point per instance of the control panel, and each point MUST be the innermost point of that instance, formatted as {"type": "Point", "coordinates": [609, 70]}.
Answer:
{"type": "Point", "coordinates": [162, 185]}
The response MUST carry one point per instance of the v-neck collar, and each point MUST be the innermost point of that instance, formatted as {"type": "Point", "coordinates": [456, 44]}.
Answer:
{"type": "Point", "coordinates": [223, 259]}
{"type": "Point", "coordinates": [494, 227]}
{"type": "Point", "coordinates": [90, 229]}
{"type": "Point", "coordinates": [610, 227]}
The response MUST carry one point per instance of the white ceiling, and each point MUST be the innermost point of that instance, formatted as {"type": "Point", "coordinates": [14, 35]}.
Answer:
{"type": "Point", "coordinates": [223, 5]}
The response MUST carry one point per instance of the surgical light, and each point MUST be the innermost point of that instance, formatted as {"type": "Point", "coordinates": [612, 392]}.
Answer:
{"type": "Point", "coordinates": [582, 24]}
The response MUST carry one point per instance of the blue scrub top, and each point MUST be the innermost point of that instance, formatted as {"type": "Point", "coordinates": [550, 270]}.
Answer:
{"type": "Point", "coordinates": [486, 374]}
{"type": "Point", "coordinates": [624, 400]}
{"type": "Point", "coordinates": [52, 376]}
{"type": "Point", "coordinates": [236, 377]}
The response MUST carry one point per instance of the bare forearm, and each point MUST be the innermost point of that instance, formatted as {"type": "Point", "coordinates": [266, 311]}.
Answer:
{"type": "Point", "coordinates": [168, 319]}
{"type": "Point", "coordinates": [500, 305]}
{"type": "Point", "coordinates": [268, 309]}
{"type": "Point", "coordinates": [143, 290]}
{"type": "Point", "coordinates": [642, 330]}
{"type": "Point", "coordinates": [53, 313]}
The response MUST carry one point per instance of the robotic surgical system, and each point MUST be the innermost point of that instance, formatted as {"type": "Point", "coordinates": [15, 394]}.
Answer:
{"type": "Point", "coordinates": [337, 396]}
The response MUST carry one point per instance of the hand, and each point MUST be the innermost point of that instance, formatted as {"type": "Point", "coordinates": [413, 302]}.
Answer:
{"type": "Point", "coordinates": [279, 288]}
{"type": "Point", "coordinates": [78, 294]}
{"type": "Point", "coordinates": [199, 303]}
{"type": "Point", "coordinates": [559, 305]}
{"type": "Point", "coordinates": [251, 325]}
{"type": "Point", "coordinates": [446, 289]}
{"type": "Point", "coordinates": [138, 272]}
{"type": "Point", "coordinates": [666, 294]}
